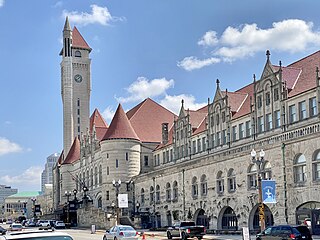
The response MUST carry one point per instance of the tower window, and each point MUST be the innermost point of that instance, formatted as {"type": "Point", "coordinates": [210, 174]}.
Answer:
{"type": "Point", "coordinates": [77, 54]}
{"type": "Point", "coordinates": [78, 102]}
{"type": "Point", "coordinates": [117, 163]}
{"type": "Point", "coordinates": [78, 111]}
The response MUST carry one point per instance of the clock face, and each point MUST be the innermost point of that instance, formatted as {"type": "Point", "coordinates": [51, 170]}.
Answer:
{"type": "Point", "coordinates": [78, 78]}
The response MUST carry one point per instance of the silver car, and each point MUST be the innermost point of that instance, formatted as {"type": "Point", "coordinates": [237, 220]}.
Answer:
{"type": "Point", "coordinates": [121, 232]}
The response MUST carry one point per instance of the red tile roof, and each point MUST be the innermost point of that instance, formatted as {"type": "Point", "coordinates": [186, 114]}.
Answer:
{"type": "Point", "coordinates": [74, 152]}
{"type": "Point", "coordinates": [196, 117]}
{"type": "Point", "coordinates": [78, 41]}
{"type": "Point", "coordinates": [307, 78]}
{"type": "Point", "coordinates": [235, 100]}
{"type": "Point", "coordinates": [60, 159]}
{"type": "Point", "coordinates": [245, 108]}
{"type": "Point", "coordinates": [100, 124]}
{"type": "Point", "coordinates": [146, 119]}
{"type": "Point", "coordinates": [120, 127]}
{"type": "Point", "coordinates": [202, 127]}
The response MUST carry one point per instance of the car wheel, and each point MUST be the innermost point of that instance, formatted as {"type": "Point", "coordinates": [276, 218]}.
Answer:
{"type": "Point", "coordinates": [169, 236]}
{"type": "Point", "coordinates": [183, 236]}
{"type": "Point", "coordinates": [199, 238]}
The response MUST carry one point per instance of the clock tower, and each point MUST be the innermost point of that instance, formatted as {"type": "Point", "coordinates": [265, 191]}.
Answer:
{"type": "Point", "coordinates": [75, 85]}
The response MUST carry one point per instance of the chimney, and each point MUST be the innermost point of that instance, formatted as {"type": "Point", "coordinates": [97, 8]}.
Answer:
{"type": "Point", "coordinates": [165, 133]}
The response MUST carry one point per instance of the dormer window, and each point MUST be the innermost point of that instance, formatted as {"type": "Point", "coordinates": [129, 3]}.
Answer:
{"type": "Point", "coordinates": [77, 53]}
{"type": "Point", "coordinates": [276, 94]}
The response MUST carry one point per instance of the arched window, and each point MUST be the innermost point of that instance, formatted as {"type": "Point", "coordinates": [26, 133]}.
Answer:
{"type": "Point", "coordinates": [175, 190]}
{"type": "Point", "coordinates": [220, 183]}
{"type": "Point", "coordinates": [100, 202]}
{"type": "Point", "coordinates": [91, 177]}
{"type": "Point", "coordinates": [252, 176]}
{"type": "Point", "coordinates": [100, 174]}
{"type": "Point", "coordinates": [157, 194]}
{"type": "Point", "coordinates": [266, 171]}
{"type": "Point", "coordinates": [299, 169]}
{"type": "Point", "coordinates": [231, 180]}
{"type": "Point", "coordinates": [194, 187]}
{"type": "Point", "coordinates": [168, 192]}
{"type": "Point", "coordinates": [77, 53]}
{"type": "Point", "coordinates": [151, 195]}
{"type": "Point", "coordinates": [204, 185]}
{"type": "Point", "coordinates": [142, 196]}
{"type": "Point", "coordinates": [96, 176]}
{"type": "Point", "coordinates": [316, 167]}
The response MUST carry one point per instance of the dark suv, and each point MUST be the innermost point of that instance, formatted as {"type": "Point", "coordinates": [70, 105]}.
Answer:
{"type": "Point", "coordinates": [283, 232]}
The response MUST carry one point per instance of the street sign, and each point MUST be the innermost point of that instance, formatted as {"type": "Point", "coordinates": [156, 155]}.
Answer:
{"type": "Point", "coordinates": [123, 200]}
{"type": "Point", "coordinates": [268, 191]}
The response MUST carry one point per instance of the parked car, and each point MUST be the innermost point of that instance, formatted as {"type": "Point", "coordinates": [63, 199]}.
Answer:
{"type": "Point", "coordinates": [3, 230]}
{"type": "Point", "coordinates": [282, 232]}
{"type": "Point", "coordinates": [37, 235]}
{"type": "Point", "coordinates": [185, 230]}
{"type": "Point", "coordinates": [15, 227]}
{"type": "Point", "coordinates": [30, 223]}
{"type": "Point", "coordinates": [59, 224]}
{"type": "Point", "coordinates": [121, 232]}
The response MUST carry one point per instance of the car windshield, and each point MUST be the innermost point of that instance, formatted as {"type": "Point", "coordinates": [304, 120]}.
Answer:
{"type": "Point", "coordinates": [126, 228]}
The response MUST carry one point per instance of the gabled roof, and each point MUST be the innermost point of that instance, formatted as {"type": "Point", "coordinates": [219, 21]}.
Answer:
{"type": "Point", "coordinates": [290, 75]}
{"type": "Point", "coordinates": [97, 121]}
{"type": "Point", "coordinates": [307, 78]}
{"type": "Point", "coordinates": [235, 100]}
{"type": "Point", "coordinates": [78, 41]}
{"type": "Point", "coordinates": [60, 159]}
{"type": "Point", "coordinates": [202, 127]}
{"type": "Point", "coordinates": [245, 107]}
{"type": "Point", "coordinates": [74, 152]}
{"type": "Point", "coordinates": [146, 119]}
{"type": "Point", "coordinates": [120, 127]}
{"type": "Point", "coordinates": [196, 117]}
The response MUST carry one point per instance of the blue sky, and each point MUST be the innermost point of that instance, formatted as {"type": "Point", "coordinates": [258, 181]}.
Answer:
{"type": "Point", "coordinates": [164, 49]}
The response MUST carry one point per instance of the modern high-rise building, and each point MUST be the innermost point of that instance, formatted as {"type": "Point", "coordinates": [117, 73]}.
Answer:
{"type": "Point", "coordinates": [46, 176]}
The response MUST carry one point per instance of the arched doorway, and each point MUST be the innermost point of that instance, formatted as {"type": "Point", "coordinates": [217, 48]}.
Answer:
{"type": "Point", "coordinates": [169, 218]}
{"type": "Point", "coordinates": [201, 218]}
{"type": "Point", "coordinates": [229, 219]}
{"type": "Point", "coordinates": [309, 214]}
{"type": "Point", "coordinates": [254, 220]}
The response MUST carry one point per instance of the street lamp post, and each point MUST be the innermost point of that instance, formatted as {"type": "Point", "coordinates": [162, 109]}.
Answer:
{"type": "Point", "coordinates": [68, 194]}
{"type": "Point", "coordinates": [117, 186]}
{"type": "Point", "coordinates": [34, 207]}
{"type": "Point", "coordinates": [259, 161]}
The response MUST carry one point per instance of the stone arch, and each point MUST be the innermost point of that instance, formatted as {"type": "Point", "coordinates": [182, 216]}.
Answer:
{"type": "Point", "coordinates": [254, 222]}
{"type": "Point", "coordinates": [227, 219]}
{"type": "Point", "coordinates": [201, 218]}
{"type": "Point", "coordinates": [308, 213]}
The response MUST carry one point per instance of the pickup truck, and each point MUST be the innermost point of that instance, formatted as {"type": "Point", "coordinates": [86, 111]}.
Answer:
{"type": "Point", "coordinates": [185, 230]}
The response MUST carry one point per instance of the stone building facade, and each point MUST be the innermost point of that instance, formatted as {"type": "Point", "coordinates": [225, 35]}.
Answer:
{"type": "Point", "coordinates": [197, 165]}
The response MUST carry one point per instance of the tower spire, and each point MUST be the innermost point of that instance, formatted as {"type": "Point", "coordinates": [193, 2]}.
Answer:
{"type": "Point", "coordinates": [67, 25]}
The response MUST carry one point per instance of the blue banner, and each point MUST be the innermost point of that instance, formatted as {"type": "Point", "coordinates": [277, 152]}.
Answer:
{"type": "Point", "coordinates": [268, 191]}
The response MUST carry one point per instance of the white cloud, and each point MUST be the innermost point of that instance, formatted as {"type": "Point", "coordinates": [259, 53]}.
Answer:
{"type": "Point", "coordinates": [209, 39]}
{"type": "Point", "coordinates": [173, 103]}
{"type": "Point", "coordinates": [31, 176]}
{"type": "Point", "coordinates": [7, 147]}
{"type": "Point", "coordinates": [108, 114]}
{"type": "Point", "coordinates": [144, 88]}
{"type": "Point", "coordinates": [291, 35]}
{"type": "Point", "coordinates": [100, 15]}
{"type": "Point", "coordinates": [1, 3]}
{"type": "Point", "coordinates": [58, 4]}
{"type": "Point", "coordinates": [192, 63]}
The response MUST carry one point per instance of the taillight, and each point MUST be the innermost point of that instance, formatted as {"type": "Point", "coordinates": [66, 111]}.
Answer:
{"type": "Point", "coordinates": [188, 230]}
{"type": "Point", "coordinates": [292, 236]}
{"type": "Point", "coordinates": [121, 234]}
{"type": "Point", "coordinates": [204, 230]}
{"type": "Point", "coordinates": [137, 233]}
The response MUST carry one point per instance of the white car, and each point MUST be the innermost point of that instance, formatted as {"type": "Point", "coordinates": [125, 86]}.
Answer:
{"type": "Point", "coordinates": [121, 232]}
{"type": "Point", "coordinates": [37, 235]}
{"type": "Point", "coordinates": [59, 224]}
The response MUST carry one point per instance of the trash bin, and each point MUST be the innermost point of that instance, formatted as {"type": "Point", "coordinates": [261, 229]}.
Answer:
{"type": "Point", "coordinates": [93, 229]}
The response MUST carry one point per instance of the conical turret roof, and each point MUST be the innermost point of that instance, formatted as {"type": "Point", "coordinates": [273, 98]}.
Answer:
{"type": "Point", "coordinates": [120, 127]}
{"type": "Point", "coordinates": [74, 152]}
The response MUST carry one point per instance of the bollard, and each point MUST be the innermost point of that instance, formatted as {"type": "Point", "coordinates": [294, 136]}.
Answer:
{"type": "Point", "coordinates": [93, 229]}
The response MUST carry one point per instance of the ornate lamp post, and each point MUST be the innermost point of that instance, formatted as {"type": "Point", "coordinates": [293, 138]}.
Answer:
{"type": "Point", "coordinates": [117, 186]}
{"type": "Point", "coordinates": [68, 194]}
{"type": "Point", "coordinates": [259, 161]}
{"type": "Point", "coordinates": [34, 207]}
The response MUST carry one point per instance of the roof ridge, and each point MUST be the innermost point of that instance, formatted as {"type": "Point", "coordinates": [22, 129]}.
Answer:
{"type": "Point", "coordinates": [304, 58]}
